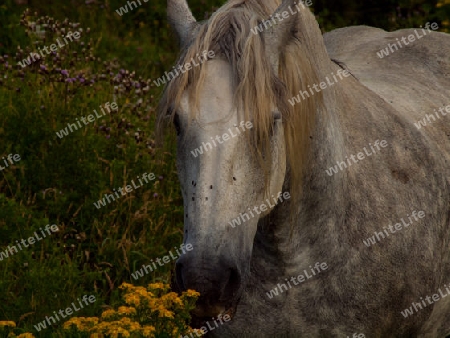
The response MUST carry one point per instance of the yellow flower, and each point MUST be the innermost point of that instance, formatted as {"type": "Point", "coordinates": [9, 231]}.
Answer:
{"type": "Point", "coordinates": [171, 299]}
{"type": "Point", "coordinates": [81, 323]}
{"type": "Point", "coordinates": [116, 331]}
{"type": "Point", "coordinates": [163, 312]}
{"type": "Point", "coordinates": [7, 323]}
{"type": "Point", "coordinates": [108, 313]}
{"type": "Point", "coordinates": [132, 299]}
{"type": "Point", "coordinates": [92, 320]}
{"type": "Point", "coordinates": [192, 293]}
{"type": "Point", "coordinates": [125, 320]}
{"type": "Point", "coordinates": [148, 330]}
{"type": "Point", "coordinates": [196, 332]}
{"type": "Point", "coordinates": [70, 322]}
{"type": "Point", "coordinates": [158, 286]}
{"type": "Point", "coordinates": [25, 335]}
{"type": "Point", "coordinates": [171, 296]}
{"type": "Point", "coordinates": [96, 335]}
{"type": "Point", "coordinates": [140, 290]}
{"type": "Point", "coordinates": [103, 325]}
{"type": "Point", "coordinates": [130, 325]}
{"type": "Point", "coordinates": [156, 304]}
{"type": "Point", "coordinates": [126, 286]}
{"type": "Point", "coordinates": [125, 310]}
{"type": "Point", "coordinates": [178, 301]}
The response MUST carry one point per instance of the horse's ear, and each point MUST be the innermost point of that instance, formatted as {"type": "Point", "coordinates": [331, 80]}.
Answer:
{"type": "Point", "coordinates": [278, 34]}
{"type": "Point", "coordinates": [181, 19]}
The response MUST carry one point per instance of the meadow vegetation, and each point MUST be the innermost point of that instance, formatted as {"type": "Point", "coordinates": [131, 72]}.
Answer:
{"type": "Point", "coordinates": [58, 179]}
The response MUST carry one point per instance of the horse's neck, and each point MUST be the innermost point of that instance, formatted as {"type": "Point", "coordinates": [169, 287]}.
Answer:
{"type": "Point", "coordinates": [284, 240]}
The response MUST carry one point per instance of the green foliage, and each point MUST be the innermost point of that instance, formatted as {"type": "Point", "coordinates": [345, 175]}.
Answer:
{"type": "Point", "coordinates": [58, 179]}
{"type": "Point", "coordinates": [387, 14]}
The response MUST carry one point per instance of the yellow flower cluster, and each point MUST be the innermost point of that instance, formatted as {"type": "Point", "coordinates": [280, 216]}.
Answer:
{"type": "Point", "coordinates": [7, 323]}
{"type": "Point", "coordinates": [148, 312]}
{"type": "Point", "coordinates": [10, 325]}
{"type": "Point", "coordinates": [81, 323]}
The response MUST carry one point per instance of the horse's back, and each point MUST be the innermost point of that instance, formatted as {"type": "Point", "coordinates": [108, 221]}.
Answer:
{"type": "Point", "coordinates": [414, 79]}
{"type": "Point", "coordinates": [408, 68]}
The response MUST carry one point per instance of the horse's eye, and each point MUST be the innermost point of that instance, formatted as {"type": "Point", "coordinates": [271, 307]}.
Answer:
{"type": "Point", "coordinates": [176, 123]}
{"type": "Point", "coordinates": [276, 116]}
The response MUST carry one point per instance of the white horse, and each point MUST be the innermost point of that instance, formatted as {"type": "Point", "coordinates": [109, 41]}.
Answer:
{"type": "Point", "coordinates": [316, 203]}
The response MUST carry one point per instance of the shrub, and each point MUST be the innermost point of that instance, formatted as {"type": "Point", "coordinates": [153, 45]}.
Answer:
{"type": "Point", "coordinates": [146, 312]}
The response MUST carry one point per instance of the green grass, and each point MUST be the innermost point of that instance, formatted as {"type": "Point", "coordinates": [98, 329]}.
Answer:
{"type": "Point", "coordinates": [58, 180]}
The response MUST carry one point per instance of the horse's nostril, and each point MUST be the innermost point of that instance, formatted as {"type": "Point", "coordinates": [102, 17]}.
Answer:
{"type": "Point", "coordinates": [233, 284]}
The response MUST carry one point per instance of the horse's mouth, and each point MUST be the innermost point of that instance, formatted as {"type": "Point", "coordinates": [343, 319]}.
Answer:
{"type": "Point", "coordinates": [200, 316]}
{"type": "Point", "coordinates": [204, 311]}
{"type": "Point", "coordinates": [210, 312]}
